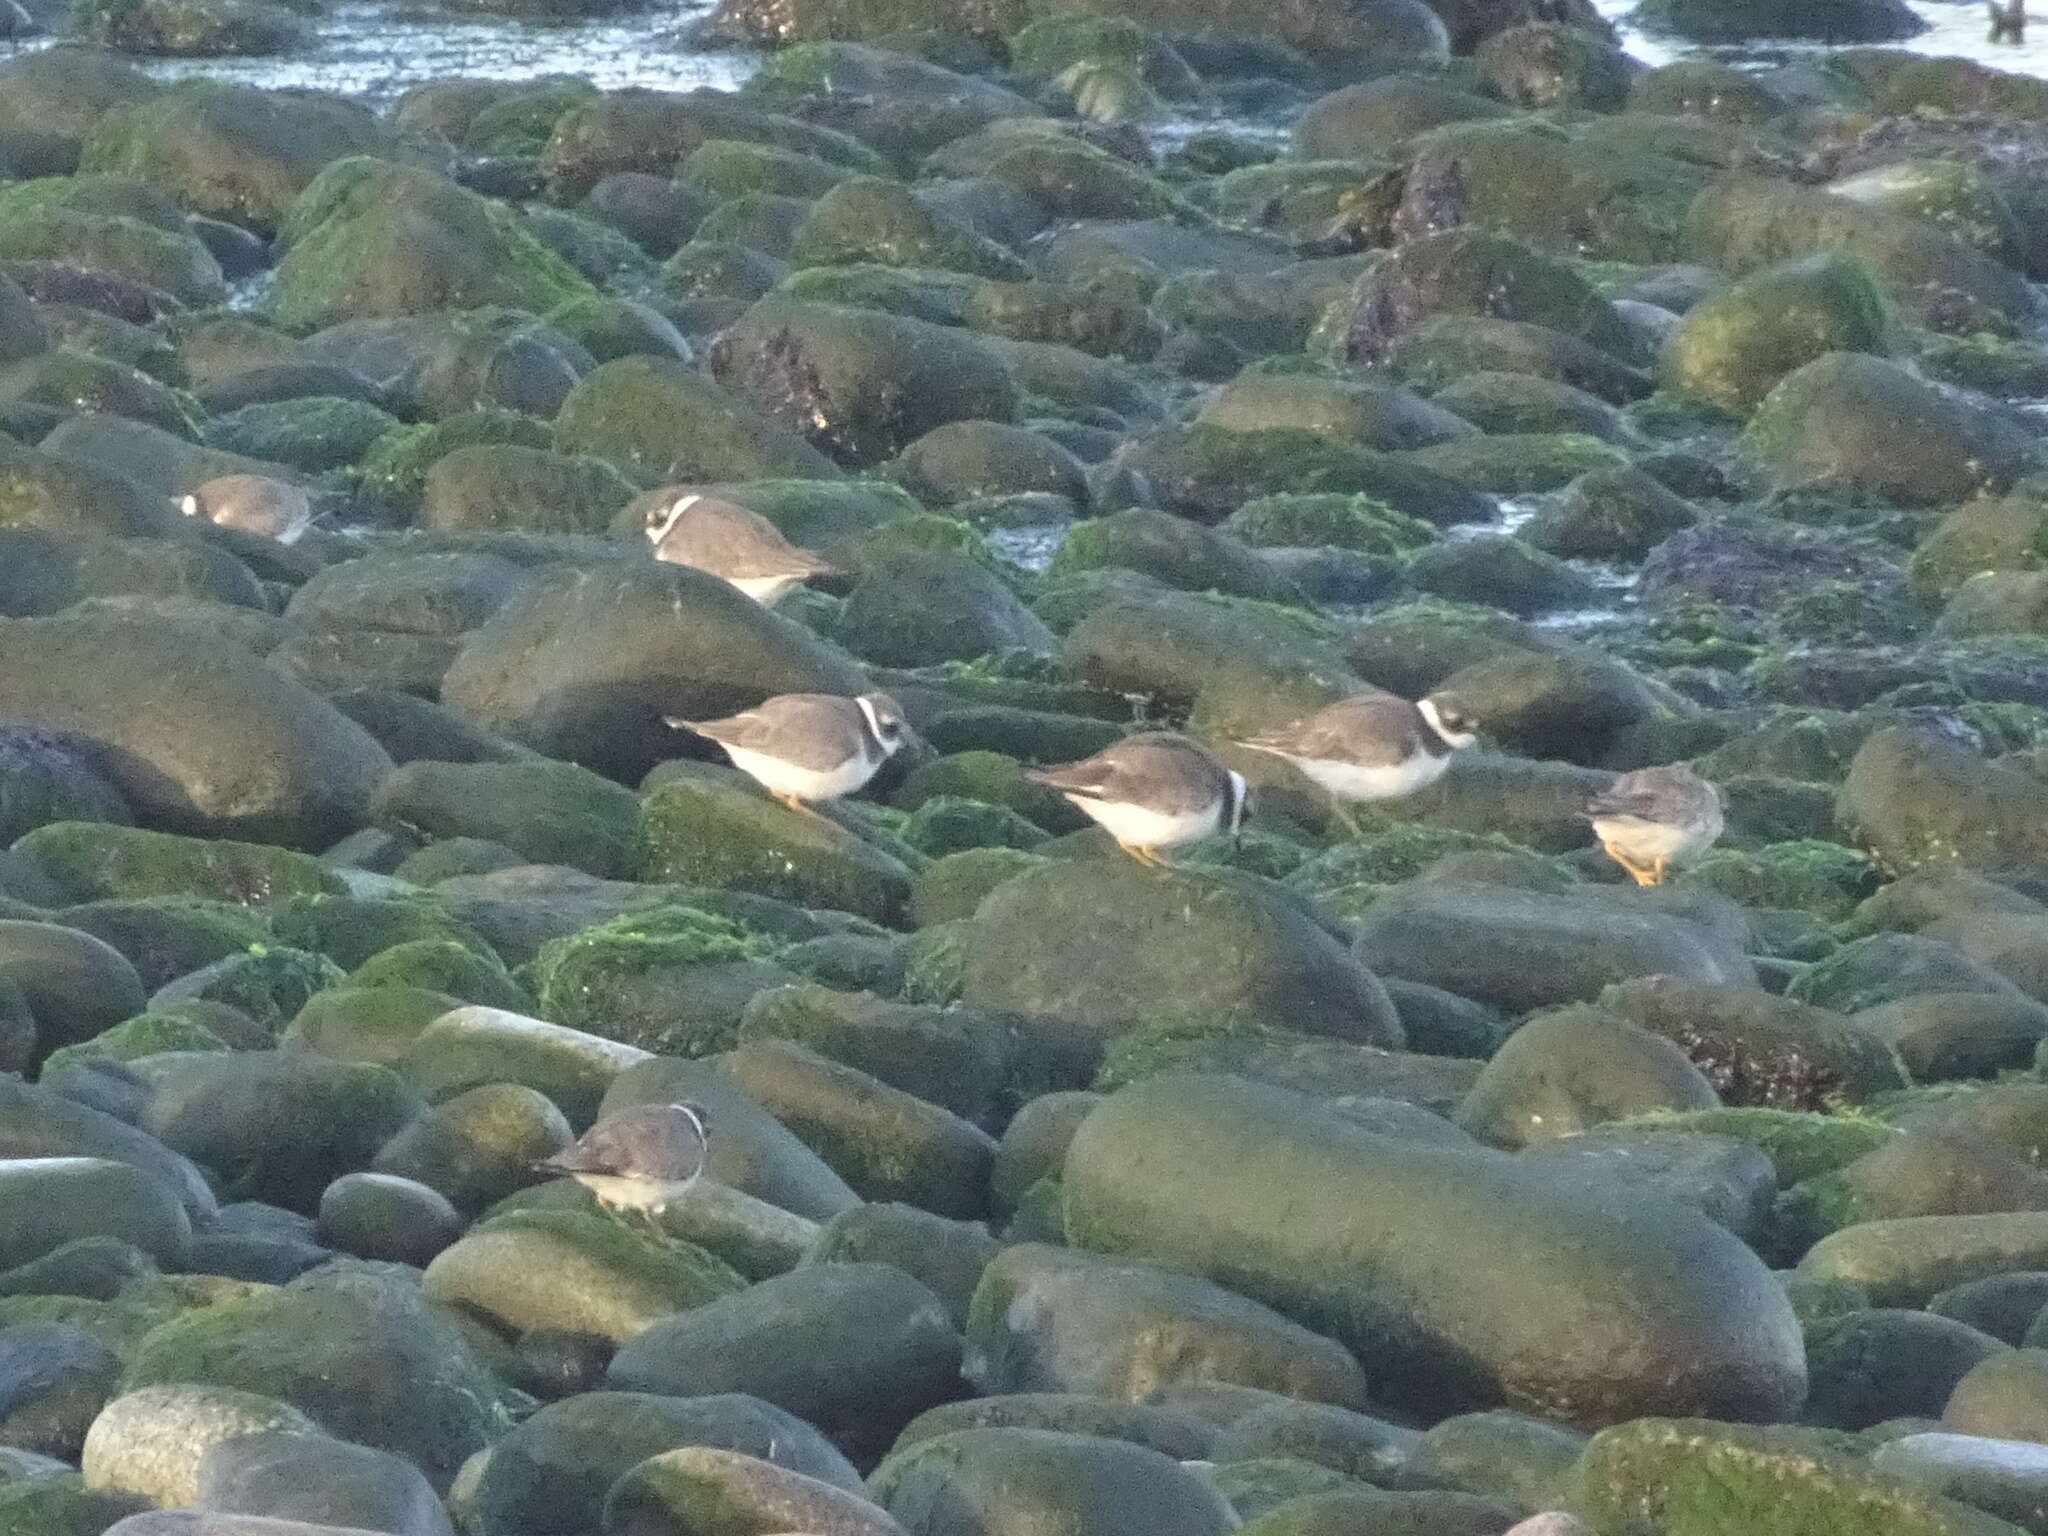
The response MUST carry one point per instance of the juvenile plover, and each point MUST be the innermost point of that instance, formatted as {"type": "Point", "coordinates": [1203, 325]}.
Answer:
{"type": "Point", "coordinates": [1151, 791]}
{"type": "Point", "coordinates": [1653, 818]}
{"type": "Point", "coordinates": [1373, 746]}
{"type": "Point", "coordinates": [640, 1159]}
{"type": "Point", "coordinates": [254, 504]}
{"type": "Point", "coordinates": [732, 543]}
{"type": "Point", "coordinates": [808, 746]}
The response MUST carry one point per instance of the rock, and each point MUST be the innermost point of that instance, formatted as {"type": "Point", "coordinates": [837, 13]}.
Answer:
{"type": "Point", "coordinates": [1508, 1455]}
{"type": "Point", "coordinates": [1472, 272]}
{"type": "Point", "coordinates": [1713, 1322]}
{"type": "Point", "coordinates": [2001, 1477]}
{"type": "Point", "coordinates": [1173, 551]}
{"type": "Point", "coordinates": [1047, 1319]}
{"type": "Point", "coordinates": [2005, 533]}
{"type": "Point", "coordinates": [1732, 348]}
{"type": "Point", "coordinates": [1101, 946]}
{"type": "Point", "coordinates": [651, 640]}
{"type": "Point", "coordinates": [1905, 1261]}
{"type": "Point", "coordinates": [1703, 1475]}
{"type": "Point", "coordinates": [232, 151]}
{"type": "Point", "coordinates": [699, 1487]}
{"type": "Point", "coordinates": [1741, 223]}
{"type": "Point", "coordinates": [837, 376]}
{"type": "Point", "coordinates": [947, 1257]}
{"type": "Point", "coordinates": [1436, 934]}
{"type": "Point", "coordinates": [856, 1349]}
{"type": "Point", "coordinates": [2000, 1305]}
{"type": "Point", "coordinates": [955, 1058]}
{"type": "Point", "coordinates": [472, 1046]}
{"type": "Point", "coordinates": [54, 1380]}
{"type": "Point", "coordinates": [1916, 800]}
{"type": "Point", "coordinates": [152, 1441]}
{"type": "Point", "coordinates": [921, 609]}
{"type": "Point", "coordinates": [661, 422]}
{"type": "Point", "coordinates": [1354, 1444]}
{"type": "Point", "coordinates": [2004, 1398]}
{"type": "Point", "coordinates": [93, 862]}
{"type": "Point", "coordinates": [1608, 514]}
{"type": "Point", "coordinates": [275, 1126]}
{"type": "Point", "coordinates": [1757, 1049]}
{"type": "Point", "coordinates": [493, 486]}
{"type": "Point", "coordinates": [478, 1147]}
{"type": "Point", "coordinates": [1179, 1435]}
{"type": "Point", "coordinates": [38, 1124]}
{"type": "Point", "coordinates": [205, 740]}
{"type": "Point", "coordinates": [1878, 1364]}
{"type": "Point", "coordinates": [365, 1357]}
{"type": "Point", "coordinates": [1846, 422]}
{"type": "Point", "coordinates": [393, 1220]}
{"type": "Point", "coordinates": [1008, 1481]}
{"type": "Point", "coordinates": [1734, 21]}
{"type": "Point", "coordinates": [553, 1471]}
{"type": "Point", "coordinates": [50, 1201]}
{"type": "Point", "coordinates": [75, 984]}
{"type": "Point", "coordinates": [1564, 1072]}
{"type": "Point", "coordinates": [553, 813]}
{"type": "Point", "coordinates": [874, 219]}
{"type": "Point", "coordinates": [723, 837]}
{"type": "Point", "coordinates": [573, 1270]}
{"type": "Point", "coordinates": [1545, 64]}
{"type": "Point", "coordinates": [1354, 122]}
{"type": "Point", "coordinates": [1366, 413]}
{"type": "Point", "coordinates": [284, 1475]}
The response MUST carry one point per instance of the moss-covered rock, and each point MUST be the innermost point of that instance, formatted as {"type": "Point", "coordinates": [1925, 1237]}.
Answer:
{"type": "Point", "coordinates": [660, 421]}
{"type": "Point", "coordinates": [507, 486]}
{"type": "Point", "coordinates": [169, 260]}
{"type": "Point", "coordinates": [554, 813]}
{"type": "Point", "coordinates": [871, 219]}
{"type": "Point", "coordinates": [446, 968]}
{"type": "Point", "coordinates": [92, 861]}
{"type": "Point", "coordinates": [394, 468]}
{"type": "Point", "coordinates": [578, 1270]}
{"type": "Point", "coordinates": [621, 979]}
{"type": "Point", "coordinates": [717, 835]}
{"type": "Point", "coordinates": [147, 1034]}
{"type": "Point", "coordinates": [352, 255]}
{"type": "Point", "coordinates": [365, 1359]}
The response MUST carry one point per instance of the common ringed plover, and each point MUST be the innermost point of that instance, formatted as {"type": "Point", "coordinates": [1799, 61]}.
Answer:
{"type": "Point", "coordinates": [1373, 746]}
{"type": "Point", "coordinates": [1152, 791]}
{"type": "Point", "coordinates": [254, 504]}
{"type": "Point", "coordinates": [730, 542]}
{"type": "Point", "coordinates": [639, 1159]}
{"type": "Point", "coordinates": [1655, 817]}
{"type": "Point", "coordinates": [808, 746]}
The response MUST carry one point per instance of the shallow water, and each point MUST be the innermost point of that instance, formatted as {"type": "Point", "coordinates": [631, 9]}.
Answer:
{"type": "Point", "coordinates": [1956, 27]}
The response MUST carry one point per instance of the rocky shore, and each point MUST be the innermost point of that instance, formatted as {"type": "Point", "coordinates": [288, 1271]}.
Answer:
{"type": "Point", "coordinates": [1407, 1170]}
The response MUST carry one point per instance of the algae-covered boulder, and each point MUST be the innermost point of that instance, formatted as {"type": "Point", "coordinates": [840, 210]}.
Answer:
{"type": "Point", "coordinates": [703, 1486]}
{"type": "Point", "coordinates": [585, 663]}
{"type": "Point", "coordinates": [553, 813]}
{"type": "Point", "coordinates": [275, 1126]}
{"type": "Point", "coordinates": [1103, 946]}
{"type": "Point", "coordinates": [1852, 423]}
{"type": "Point", "coordinates": [1736, 21]}
{"type": "Point", "coordinates": [149, 1443]}
{"type": "Point", "coordinates": [1521, 949]}
{"type": "Point", "coordinates": [38, 1124]}
{"type": "Point", "coordinates": [1917, 800]}
{"type": "Point", "coordinates": [74, 984]}
{"type": "Point", "coordinates": [856, 1349]}
{"type": "Point", "coordinates": [1702, 1479]}
{"type": "Point", "coordinates": [504, 485]}
{"type": "Point", "coordinates": [1616, 1307]}
{"type": "Point", "coordinates": [577, 1270]}
{"type": "Point", "coordinates": [365, 1358]}
{"type": "Point", "coordinates": [204, 738]}
{"type": "Point", "coordinates": [93, 862]}
{"type": "Point", "coordinates": [702, 832]}
{"type": "Point", "coordinates": [872, 219]}
{"type": "Point", "coordinates": [1554, 64]}
{"type": "Point", "coordinates": [50, 1201]}
{"type": "Point", "coordinates": [169, 260]}
{"type": "Point", "coordinates": [1171, 550]}
{"type": "Point", "coordinates": [290, 1476]}
{"type": "Point", "coordinates": [1904, 1261]}
{"type": "Point", "coordinates": [473, 1047]}
{"type": "Point", "coordinates": [478, 1147]}
{"type": "Point", "coordinates": [368, 239]}
{"type": "Point", "coordinates": [1048, 1319]}
{"type": "Point", "coordinates": [553, 1471]}
{"type": "Point", "coordinates": [918, 609]}
{"type": "Point", "coordinates": [956, 1058]}
{"type": "Point", "coordinates": [660, 420]}
{"type": "Point", "coordinates": [1733, 347]}
{"type": "Point", "coordinates": [1007, 1482]}
{"type": "Point", "coordinates": [859, 384]}
{"type": "Point", "coordinates": [232, 151]}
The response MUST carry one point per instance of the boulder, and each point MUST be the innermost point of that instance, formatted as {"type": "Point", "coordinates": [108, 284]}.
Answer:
{"type": "Point", "coordinates": [661, 421]}
{"type": "Point", "coordinates": [1733, 347]}
{"type": "Point", "coordinates": [50, 1201]}
{"type": "Point", "coordinates": [1916, 800]}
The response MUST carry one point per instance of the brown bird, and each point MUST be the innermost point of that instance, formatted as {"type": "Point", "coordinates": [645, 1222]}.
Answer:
{"type": "Point", "coordinates": [732, 543]}
{"type": "Point", "coordinates": [1655, 817]}
{"type": "Point", "coordinates": [1151, 791]}
{"type": "Point", "coordinates": [254, 504]}
{"type": "Point", "coordinates": [640, 1159]}
{"type": "Point", "coordinates": [1373, 746]}
{"type": "Point", "coordinates": [808, 746]}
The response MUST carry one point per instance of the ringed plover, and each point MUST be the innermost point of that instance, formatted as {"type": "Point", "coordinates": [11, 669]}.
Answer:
{"type": "Point", "coordinates": [640, 1159]}
{"type": "Point", "coordinates": [808, 746]}
{"type": "Point", "coordinates": [1373, 746]}
{"type": "Point", "coordinates": [1152, 791]}
{"type": "Point", "coordinates": [730, 542]}
{"type": "Point", "coordinates": [254, 504]}
{"type": "Point", "coordinates": [1654, 817]}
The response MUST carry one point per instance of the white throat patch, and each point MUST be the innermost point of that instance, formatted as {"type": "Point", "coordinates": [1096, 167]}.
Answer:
{"type": "Point", "coordinates": [1460, 739]}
